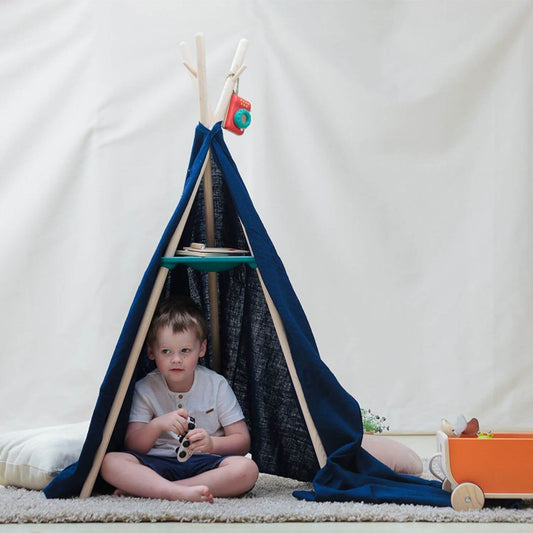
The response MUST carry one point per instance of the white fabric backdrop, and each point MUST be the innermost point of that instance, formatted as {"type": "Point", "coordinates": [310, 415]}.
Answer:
{"type": "Point", "coordinates": [389, 158]}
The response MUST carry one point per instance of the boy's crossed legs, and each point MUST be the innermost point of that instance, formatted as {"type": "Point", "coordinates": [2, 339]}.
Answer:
{"type": "Point", "coordinates": [234, 476]}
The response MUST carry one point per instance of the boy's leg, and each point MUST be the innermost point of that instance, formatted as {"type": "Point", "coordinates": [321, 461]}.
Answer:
{"type": "Point", "coordinates": [126, 473]}
{"type": "Point", "coordinates": [234, 476]}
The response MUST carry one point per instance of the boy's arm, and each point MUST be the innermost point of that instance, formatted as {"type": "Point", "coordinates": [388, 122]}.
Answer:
{"type": "Point", "coordinates": [141, 436]}
{"type": "Point", "coordinates": [236, 440]}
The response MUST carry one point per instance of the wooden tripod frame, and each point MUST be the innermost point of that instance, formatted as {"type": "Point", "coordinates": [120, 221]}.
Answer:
{"type": "Point", "coordinates": [208, 119]}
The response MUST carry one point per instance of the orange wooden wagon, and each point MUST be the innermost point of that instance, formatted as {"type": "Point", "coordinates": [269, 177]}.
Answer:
{"type": "Point", "coordinates": [476, 468]}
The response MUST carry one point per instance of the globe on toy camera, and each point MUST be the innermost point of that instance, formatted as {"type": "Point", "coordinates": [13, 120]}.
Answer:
{"type": "Point", "coordinates": [238, 117]}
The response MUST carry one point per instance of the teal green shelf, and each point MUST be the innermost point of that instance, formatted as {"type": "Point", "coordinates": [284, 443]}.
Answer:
{"type": "Point", "coordinates": [209, 264]}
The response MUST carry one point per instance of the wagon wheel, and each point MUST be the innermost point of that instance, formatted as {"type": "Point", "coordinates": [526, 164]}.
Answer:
{"type": "Point", "coordinates": [467, 497]}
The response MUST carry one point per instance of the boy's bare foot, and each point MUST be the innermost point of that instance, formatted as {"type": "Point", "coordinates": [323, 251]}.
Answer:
{"type": "Point", "coordinates": [196, 493]}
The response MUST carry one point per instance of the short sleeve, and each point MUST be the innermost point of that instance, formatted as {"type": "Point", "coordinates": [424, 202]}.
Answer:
{"type": "Point", "coordinates": [141, 407]}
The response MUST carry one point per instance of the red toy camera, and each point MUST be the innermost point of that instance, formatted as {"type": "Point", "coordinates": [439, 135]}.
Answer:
{"type": "Point", "coordinates": [238, 117]}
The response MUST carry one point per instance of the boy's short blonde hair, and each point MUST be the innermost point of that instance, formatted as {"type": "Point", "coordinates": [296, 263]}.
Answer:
{"type": "Point", "coordinates": [181, 314]}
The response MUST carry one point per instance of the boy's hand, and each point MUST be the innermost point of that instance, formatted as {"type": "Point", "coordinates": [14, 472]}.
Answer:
{"type": "Point", "coordinates": [175, 421]}
{"type": "Point", "coordinates": [200, 440]}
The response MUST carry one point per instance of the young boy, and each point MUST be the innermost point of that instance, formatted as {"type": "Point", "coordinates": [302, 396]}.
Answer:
{"type": "Point", "coordinates": [163, 400]}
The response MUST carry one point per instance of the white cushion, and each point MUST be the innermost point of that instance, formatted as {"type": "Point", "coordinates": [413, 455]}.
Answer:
{"type": "Point", "coordinates": [32, 457]}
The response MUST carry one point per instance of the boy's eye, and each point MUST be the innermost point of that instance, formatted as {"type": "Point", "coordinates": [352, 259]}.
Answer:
{"type": "Point", "coordinates": [166, 351]}
{"type": "Point", "coordinates": [185, 350]}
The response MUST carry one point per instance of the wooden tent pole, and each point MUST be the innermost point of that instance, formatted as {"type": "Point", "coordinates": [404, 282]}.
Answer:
{"type": "Point", "coordinates": [212, 280]}
{"type": "Point", "coordinates": [207, 119]}
{"type": "Point", "coordinates": [209, 204]}
{"type": "Point", "coordinates": [236, 69]}
{"type": "Point", "coordinates": [133, 357]}
{"type": "Point", "coordinates": [201, 65]}
{"type": "Point", "coordinates": [320, 452]}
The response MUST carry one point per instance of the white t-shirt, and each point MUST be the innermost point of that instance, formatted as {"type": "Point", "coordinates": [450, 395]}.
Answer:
{"type": "Point", "coordinates": [210, 401]}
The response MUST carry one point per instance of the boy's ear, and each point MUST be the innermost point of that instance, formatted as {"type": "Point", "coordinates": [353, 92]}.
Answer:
{"type": "Point", "coordinates": [150, 353]}
{"type": "Point", "coordinates": [203, 348]}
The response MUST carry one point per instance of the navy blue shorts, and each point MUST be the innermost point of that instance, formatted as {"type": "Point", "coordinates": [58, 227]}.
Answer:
{"type": "Point", "coordinates": [170, 468]}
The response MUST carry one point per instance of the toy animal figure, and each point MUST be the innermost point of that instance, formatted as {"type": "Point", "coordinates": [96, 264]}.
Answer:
{"type": "Point", "coordinates": [460, 427]}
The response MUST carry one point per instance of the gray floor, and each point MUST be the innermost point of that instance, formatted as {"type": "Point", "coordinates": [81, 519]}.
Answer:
{"type": "Point", "coordinates": [423, 445]}
{"type": "Point", "coordinates": [337, 527]}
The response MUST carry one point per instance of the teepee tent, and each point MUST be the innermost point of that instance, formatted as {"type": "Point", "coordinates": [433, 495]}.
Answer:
{"type": "Point", "coordinates": [303, 424]}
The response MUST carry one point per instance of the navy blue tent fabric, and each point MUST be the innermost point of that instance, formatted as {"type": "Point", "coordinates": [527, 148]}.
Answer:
{"type": "Point", "coordinates": [351, 474]}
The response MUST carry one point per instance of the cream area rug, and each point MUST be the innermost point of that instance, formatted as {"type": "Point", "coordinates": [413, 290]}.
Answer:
{"type": "Point", "coordinates": [270, 501]}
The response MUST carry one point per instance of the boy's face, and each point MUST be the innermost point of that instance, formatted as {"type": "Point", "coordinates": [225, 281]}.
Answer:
{"type": "Point", "coordinates": [176, 356]}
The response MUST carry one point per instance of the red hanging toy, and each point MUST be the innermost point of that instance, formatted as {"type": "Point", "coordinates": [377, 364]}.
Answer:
{"type": "Point", "coordinates": [238, 117]}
